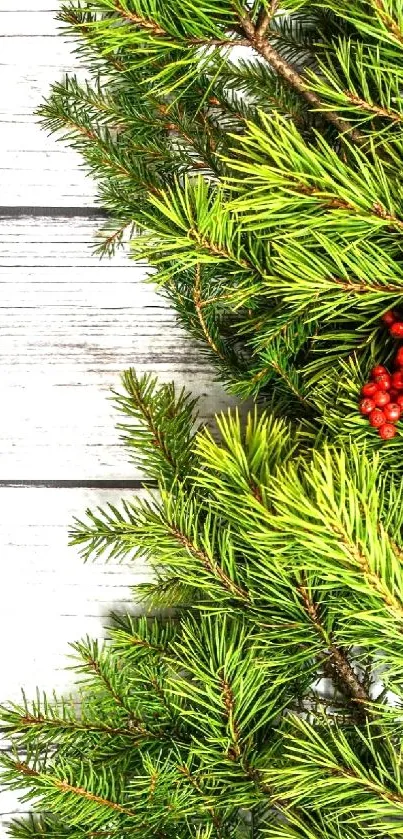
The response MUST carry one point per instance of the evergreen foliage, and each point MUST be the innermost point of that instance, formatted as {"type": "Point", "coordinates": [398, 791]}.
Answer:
{"type": "Point", "coordinates": [254, 155]}
{"type": "Point", "coordinates": [266, 702]}
{"type": "Point", "coordinates": [253, 151]}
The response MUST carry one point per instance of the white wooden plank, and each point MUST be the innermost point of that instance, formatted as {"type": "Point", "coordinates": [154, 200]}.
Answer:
{"type": "Point", "coordinates": [67, 192]}
{"type": "Point", "coordinates": [30, 139]}
{"type": "Point", "coordinates": [49, 596]}
{"type": "Point", "coordinates": [69, 325]}
{"type": "Point", "coordinates": [26, 242]}
{"type": "Point", "coordinates": [39, 20]}
{"type": "Point", "coordinates": [38, 51]}
{"type": "Point", "coordinates": [21, 92]}
{"type": "Point", "coordinates": [35, 170]}
{"type": "Point", "coordinates": [29, 6]}
{"type": "Point", "coordinates": [64, 196]}
{"type": "Point", "coordinates": [50, 230]}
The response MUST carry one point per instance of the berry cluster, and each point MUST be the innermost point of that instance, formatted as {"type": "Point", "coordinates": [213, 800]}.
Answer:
{"type": "Point", "coordinates": [392, 320]}
{"type": "Point", "coordinates": [382, 399]}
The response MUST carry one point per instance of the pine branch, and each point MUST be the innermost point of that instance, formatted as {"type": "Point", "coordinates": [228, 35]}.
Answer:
{"type": "Point", "coordinates": [388, 20]}
{"type": "Point", "coordinates": [199, 303]}
{"type": "Point", "coordinates": [336, 660]}
{"type": "Point", "coordinates": [154, 29]}
{"type": "Point", "coordinates": [164, 106]}
{"type": "Point", "coordinates": [372, 108]}
{"type": "Point", "coordinates": [286, 71]}
{"type": "Point", "coordinates": [266, 537]}
{"type": "Point", "coordinates": [208, 562]}
{"type": "Point", "coordinates": [51, 728]}
{"type": "Point", "coordinates": [265, 18]}
{"type": "Point", "coordinates": [370, 791]}
{"type": "Point", "coordinates": [265, 193]}
{"type": "Point", "coordinates": [67, 788]}
{"type": "Point", "coordinates": [160, 416]}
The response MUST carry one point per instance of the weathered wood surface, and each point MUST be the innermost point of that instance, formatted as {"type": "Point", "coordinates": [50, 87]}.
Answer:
{"type": "Point", "coordinates": [69, 324]}
{"type": "Point", "coordinates": [49, 597]}
{"type": "Point", "coordinates": [35, 169]}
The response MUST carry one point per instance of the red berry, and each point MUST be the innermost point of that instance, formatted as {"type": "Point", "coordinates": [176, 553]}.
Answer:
{"type": "Point", "coordinates": [368, 405]}
{"type": "Point", "coordinates": [399, 356]}
{"type": "Point", "coordinates": [381, 398]}
{"type": "Point", "coordinates": [387, 431]}
{"type": "Point", "coordinates": [379, 370]}
{"type": "Point", "coordinates": [399, 401]}
{"type": "Point", "coordinates": [397, 329]}
{"type": "Point", "coordinates": [377, 418]}
{"type": "Point", "coordinates": [397, 380]}
{"type": "Point", "coordinates": [383, 381]}
{"type": "Point", "coordinates": [369, 389]}
{"type": "Point", "coordinates": [389, 317]}
{"type": "Point", "coordinates": [392, 411]}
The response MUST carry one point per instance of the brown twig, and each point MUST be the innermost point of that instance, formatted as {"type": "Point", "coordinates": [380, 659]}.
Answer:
{"type": "Point", "coordinates": [149, 25]}
{"type": "Point", "coordinates": [380, 211]}
{"type": "Point", "coordinates": [198, 307]}
{"type": "Point", "coordinates": [295, 80]}
{"type": "Point", "coordinates": [369, 784]}
{"type": "Point", "coordinates": [171, 125]}
{"type": "Point", "coordinates": [158, 440]}
{"type": "Point", "coordinates": [133, 720]}
{"type": "Point", "coordinates": [261, 374]}
{"type": "Point", "coordinates": [185, 771]}
{"type": "Point", "coordinates": [377, 110]}
{"type": "Point", "coordinates": [335, 658]}
{"type": "Point", "coordinates": [29, 720]}
{"type": "Point", "coordinates": [109, 241]}
{"type": "Point", "coordinates": [331, 202]}
{"type": "Point", "coordinates": [206, 244]}
{"type": "Point", "coordinates": [157, 31]}
{"type": "Point", "coordinates": [90, 796]}
{"type": "Point", "coordinates": [265, 18]}
{"type": "Point", "coordinates": [365, 288]}
{"type": "Point", "coordinates": [388, 20]}
{"type": "Point", "coordinates": [283, 375]}
{"type": "Point", "coordinates": [97, 140]}
{"type": "Point", "coordinates": [360, 560]}
{"type": "Point", "coordinates": [80, 791]}
{"type": "Point", "coordinates": [234, 751]}
{"type": "Point", "coordinates": [210, 566]}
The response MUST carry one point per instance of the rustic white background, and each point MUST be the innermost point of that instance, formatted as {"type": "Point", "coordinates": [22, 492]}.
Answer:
{"type": "Point", "coordinates": [69, 324]}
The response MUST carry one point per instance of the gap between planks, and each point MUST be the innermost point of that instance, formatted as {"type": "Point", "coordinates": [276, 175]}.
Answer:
{"type": "Point", "coordinates": [78, 484]}
{"type": "Point", "coordinates": [53, 212]}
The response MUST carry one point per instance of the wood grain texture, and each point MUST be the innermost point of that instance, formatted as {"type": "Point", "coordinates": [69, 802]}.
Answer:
{"type": "Point", "coordinates": [49, 596]}
{"type": "Point", "coordinates": [35, 169]}
{"type": "Point", "coordinates": [22, 6]}
{"type": "Point", "coordinates": [76, 597]}
{"type": "Point", "coordinates": [69, 325]}
{"type": "Point", "coordinates": [38, 171]}
{"type": "Point", "coordinates": [29, 22]}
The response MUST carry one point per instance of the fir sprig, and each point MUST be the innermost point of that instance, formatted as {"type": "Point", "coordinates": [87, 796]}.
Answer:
{"type": "Point", "coordinates": [270, 700]}
{"type": "Point", "coordinates": [269, 172]}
